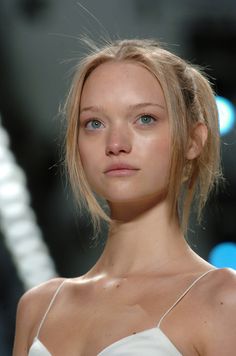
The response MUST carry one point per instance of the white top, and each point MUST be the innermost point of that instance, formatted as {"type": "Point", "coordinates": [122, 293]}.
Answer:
{"type": "Point", "coordinates": [148, 342]}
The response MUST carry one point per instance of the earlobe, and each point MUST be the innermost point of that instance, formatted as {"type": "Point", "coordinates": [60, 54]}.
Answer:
{"type": "Point", "coordinates": [197, 140]}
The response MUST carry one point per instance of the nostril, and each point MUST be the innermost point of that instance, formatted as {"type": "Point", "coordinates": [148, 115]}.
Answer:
{"type": "Point", "coordinates": [117, 149]}
{"type": "Point", "coordinates": [119, 140]}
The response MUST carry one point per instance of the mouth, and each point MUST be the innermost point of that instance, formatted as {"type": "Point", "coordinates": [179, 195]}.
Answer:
{"type": "Point", "coordinates": [121, 172]}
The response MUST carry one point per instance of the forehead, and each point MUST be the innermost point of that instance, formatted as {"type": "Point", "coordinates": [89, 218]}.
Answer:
{"type": "Point", "coordinates": [121, 81]}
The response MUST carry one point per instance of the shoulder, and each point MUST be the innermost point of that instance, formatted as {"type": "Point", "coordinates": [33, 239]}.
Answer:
{"type": "Point", "coordinates": [30, 310]}
{"type": "Point", "coordinates": [221, 313]}
{"type": "Point", "coordinates": [38, 297]}
{"type": "Point", "coordinates": [222, 288]}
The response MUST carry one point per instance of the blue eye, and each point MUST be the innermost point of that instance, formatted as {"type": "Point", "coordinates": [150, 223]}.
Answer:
{"type": "Point", "coordinates": [147, 119]}
{"type": "Point", "coordinates": [93, 124]}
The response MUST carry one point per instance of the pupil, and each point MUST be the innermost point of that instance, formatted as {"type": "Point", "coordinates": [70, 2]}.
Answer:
{"type": "Point", "coordinates": [146, 118]}
{"type": "Point", "coordinates": [96, 123]}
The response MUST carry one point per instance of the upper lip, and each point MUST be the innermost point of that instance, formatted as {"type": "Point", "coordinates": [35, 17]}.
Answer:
{"type": "Point", "coordinates": [115, 166]}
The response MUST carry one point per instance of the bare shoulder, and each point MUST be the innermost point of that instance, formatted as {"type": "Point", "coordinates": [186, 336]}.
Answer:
{"type": "Point", "coordinates": [30, 310]}
{"type": "Point", "coordinates": [223, 287]}
{"type": "Point", "coordinates": [220, 292]}
{"type": "Point", "coordinates": [221, 322]}
{"type": "Point", "coordinates": [35, 299]}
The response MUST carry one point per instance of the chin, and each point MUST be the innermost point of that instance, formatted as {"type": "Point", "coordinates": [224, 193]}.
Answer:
{"type": "Point", "coordinates": [131, 194]}
{"type": "Point", "coordinates": [134, 199]}
{"type": "Point", "coordinates": [118, 198]}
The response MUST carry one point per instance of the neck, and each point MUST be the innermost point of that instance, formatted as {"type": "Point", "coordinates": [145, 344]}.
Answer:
{"type": "Point", "coordinates": [142, 243]}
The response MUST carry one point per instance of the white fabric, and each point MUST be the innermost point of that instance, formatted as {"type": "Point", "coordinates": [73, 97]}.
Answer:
{"type": "Point", "coordinates": [148, 342]}
{"type": "Point", "coordinates": [38, 349]}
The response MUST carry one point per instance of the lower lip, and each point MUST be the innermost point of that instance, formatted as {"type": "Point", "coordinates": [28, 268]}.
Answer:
{"type": "Point", "coordinates": [121, 172]}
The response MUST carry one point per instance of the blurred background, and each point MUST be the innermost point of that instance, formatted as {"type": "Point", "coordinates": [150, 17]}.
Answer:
{"type": "Point", "coordinates": [41, 233]}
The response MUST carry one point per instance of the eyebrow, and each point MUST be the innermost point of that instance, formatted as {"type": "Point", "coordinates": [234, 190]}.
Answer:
{"type": "Point", "coordinates": [130, 107]}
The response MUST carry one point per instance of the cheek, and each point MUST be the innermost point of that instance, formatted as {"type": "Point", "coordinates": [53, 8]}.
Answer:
{"type": "Point", "coordinates": [163, 149]}
{"type": "Point", "coordinates": [85, 154]}
{"type": "Point", "coordinates": [89, 159]}
{"type": "Point", "coordinates": [155, 150]}
{"type": "Point", "coordinates": [158, 164]}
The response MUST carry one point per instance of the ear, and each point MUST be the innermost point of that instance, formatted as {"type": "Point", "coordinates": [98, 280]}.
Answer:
{"type": "Point", "coordinates": [197, 140]}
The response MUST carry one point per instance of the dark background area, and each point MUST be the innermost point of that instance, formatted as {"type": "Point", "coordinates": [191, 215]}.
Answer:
{"type": "Point", "coordinates": [39, 46]}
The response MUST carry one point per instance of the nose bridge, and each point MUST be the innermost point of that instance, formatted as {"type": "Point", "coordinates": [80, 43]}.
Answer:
{"type": "Point", "coordinates": [118, 138]}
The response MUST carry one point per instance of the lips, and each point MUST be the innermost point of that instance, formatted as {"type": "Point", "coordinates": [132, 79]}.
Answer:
{"type": "Point", "coordinates": [119, 166]}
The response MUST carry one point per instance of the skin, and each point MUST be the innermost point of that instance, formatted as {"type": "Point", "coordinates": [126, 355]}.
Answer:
{"type": "Point", "coordinates": [146, 263]}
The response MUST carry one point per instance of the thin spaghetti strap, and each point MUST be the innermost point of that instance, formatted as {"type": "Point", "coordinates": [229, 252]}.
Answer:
{"type": "Point", "coordinates": [49, 307]}
{"type": "Point", "coordinates": [182, 295]}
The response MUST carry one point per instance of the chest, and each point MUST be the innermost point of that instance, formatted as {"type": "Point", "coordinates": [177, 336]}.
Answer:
{"type": "Point", "coordinates": [90, 325]}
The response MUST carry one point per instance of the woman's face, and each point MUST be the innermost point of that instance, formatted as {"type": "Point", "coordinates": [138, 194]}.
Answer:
{"type": "Point", "coordinates": [123, 121]}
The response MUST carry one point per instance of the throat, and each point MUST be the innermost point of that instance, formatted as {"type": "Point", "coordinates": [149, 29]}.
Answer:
{"type": "Point", "coordinates": [141, 254]}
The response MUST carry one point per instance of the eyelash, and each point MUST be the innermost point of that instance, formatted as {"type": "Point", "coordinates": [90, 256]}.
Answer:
{"type": "Point", "coordinates": [90, 121]}
{"type": "Point", "coordinates": [140, 116]}
{"type": "Point", "coordinates": [147, 115]}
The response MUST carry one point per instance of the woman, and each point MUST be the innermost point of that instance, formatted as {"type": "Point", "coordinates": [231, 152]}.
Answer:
{"type": "Point", "coordinates": [142, 135]}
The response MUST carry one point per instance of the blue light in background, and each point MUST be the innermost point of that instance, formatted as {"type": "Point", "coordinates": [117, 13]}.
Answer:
{"type": "Point", "coordinates": [226, 114]}
{"type": "Point", "coordinates": [223, 255]}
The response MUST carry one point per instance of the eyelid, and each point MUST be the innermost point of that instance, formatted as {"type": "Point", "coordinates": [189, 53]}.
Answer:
{"type": "Point", "coordinates": [86, 122]}
{"type": "Point", "coordinates": [147, 114]}
{"type": "Point", "coordinates": [154, 117]}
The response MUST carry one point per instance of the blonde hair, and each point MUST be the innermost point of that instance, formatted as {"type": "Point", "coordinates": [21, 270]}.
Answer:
{"type": "Point", "coordinates": [189, 98]}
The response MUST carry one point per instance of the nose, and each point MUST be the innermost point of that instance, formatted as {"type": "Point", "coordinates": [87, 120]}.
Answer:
{"type": "Point", "coordinates": [118, 141]}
